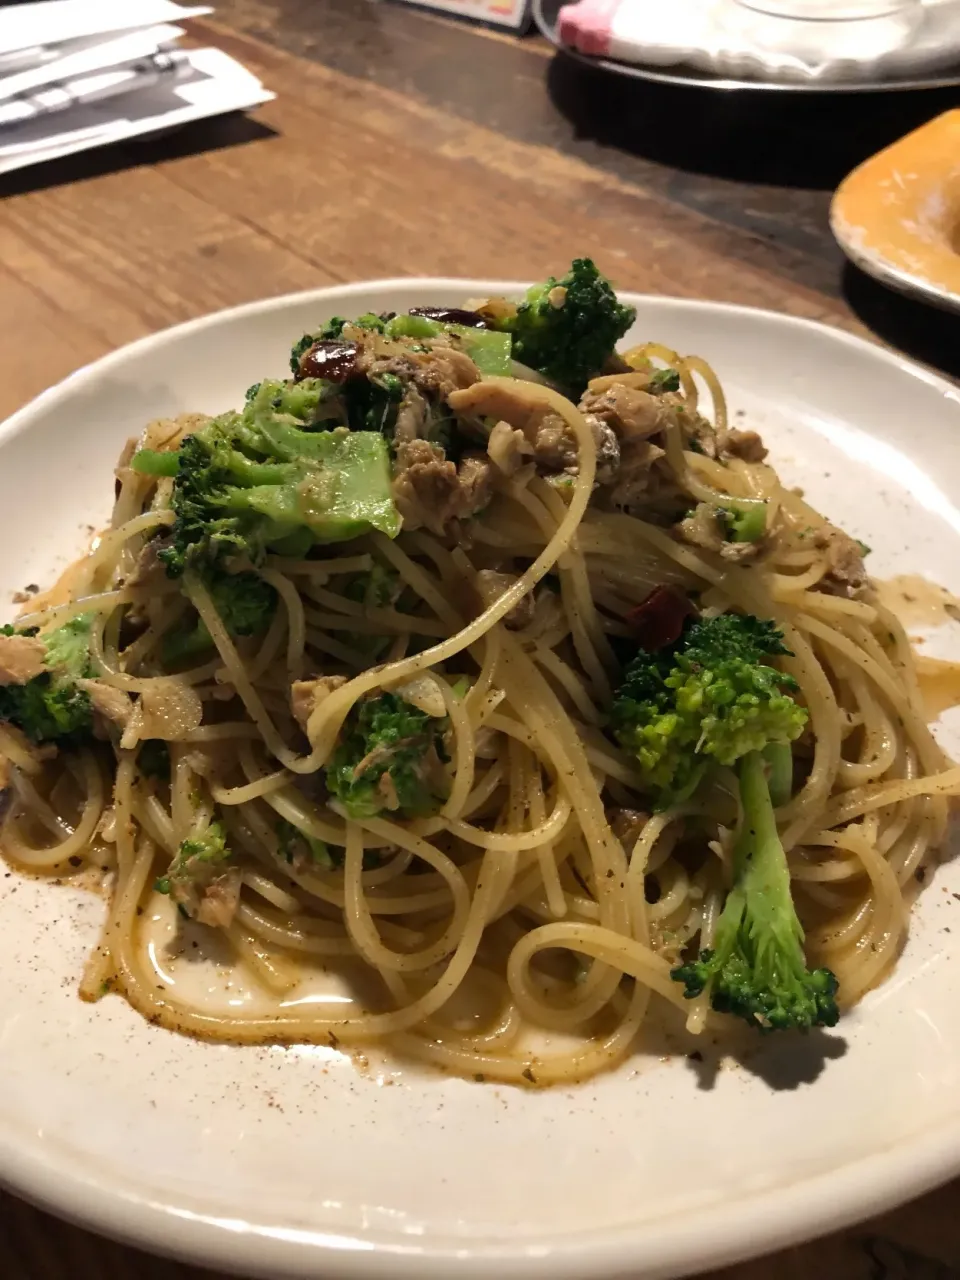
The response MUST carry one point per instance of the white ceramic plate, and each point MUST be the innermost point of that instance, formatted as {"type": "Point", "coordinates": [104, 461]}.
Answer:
{"type": "Point", "coordinates": [288, 1162]}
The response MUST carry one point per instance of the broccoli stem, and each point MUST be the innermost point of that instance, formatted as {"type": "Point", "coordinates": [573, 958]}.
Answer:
{"type": "Point", "coordinates": [490, 351]}
{"type": "Point", "coordinates": [779, 759]}
{"type": "Point", "coordinates": [759, 854]}
{"type": "Point", "coordinates": [154, 462]}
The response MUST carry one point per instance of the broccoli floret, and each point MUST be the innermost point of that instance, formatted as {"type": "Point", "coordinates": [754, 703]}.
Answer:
{"type": "Point", "coordinates": [664, 380]}
{"type": "Point", "coordinates": [372, 403]}
{"type": "Point", "coordinates": [253, 480]}
{"type": "Point", "coordinates": [388, 756]}
{"type": "Point", "coordinates": [756, 969]}
{"type": "Point", "coordinates": [50, 707]}
{"type": "Point", "coordinates": [567, 329]}
{"type": "Point", "coordinates": [199, 880]}
{"type": "Point", "coordinates": [245, 604]}
{"type": "Point", "coordinates": [710, 698]}
{"type": "Point", "coordinates": [194, 858]}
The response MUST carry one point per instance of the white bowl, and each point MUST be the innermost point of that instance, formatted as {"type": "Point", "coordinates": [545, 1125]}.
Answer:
{"type": "Point", "coordinates": [291, 1162]}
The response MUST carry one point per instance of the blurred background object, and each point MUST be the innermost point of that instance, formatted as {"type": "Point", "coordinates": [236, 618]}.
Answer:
{"type": "Point", "coordinates": [78, 74]}
{"type": "Point", "coordinates": [790, 43]}
{"type": "Point", "coordinates": [897, 216]}
{"type": "Point", "coordinates": [503, 13]}
{"type": "Point", "coordinates": [833, 10]}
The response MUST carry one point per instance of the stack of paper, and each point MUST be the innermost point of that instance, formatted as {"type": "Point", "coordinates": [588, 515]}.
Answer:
{"type": "Point", "coordinates": [76, 74]}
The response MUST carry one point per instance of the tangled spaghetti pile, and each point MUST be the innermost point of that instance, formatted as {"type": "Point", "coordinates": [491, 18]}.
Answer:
{"type": "Point", "coordinates": [412, 670]}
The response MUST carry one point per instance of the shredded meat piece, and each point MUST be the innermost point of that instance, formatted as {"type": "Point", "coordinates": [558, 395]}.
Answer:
{"type": "Point", "coordinates": [638, 478]}
{"type": "Point", "coordinates": [149, 568]}
{"type": "Point", "coordinates": [306, 695]}
{"type": "Point", "coordinates": [846, 573]}
{"type": "Point", "coordinates": [425, 485]}
{"type": "Point", "coordinates": [608, 449]}
{"type": "Point", "coordinates": [554, 448]}
{"type": "Point", "coordinates": [438, 371]}
{"type": "Point", "coordinates": [431, 491]}
{"type": "Point", "coordinates": [21, 658]}
{"type": "Point", "coordinates": [218, 901]}
{"type": "Point", "coordinates": [508, 448]}
{"type": "Point", "coordinates": [491, 585]}
{"type": "Point", "coordinates": [628, 410]}
{"type": "Point", "coordinates": [109, 703]}
{"type": "Point", "coordinates": [411, 416]}
{"type": "Point", "coordinates": [744, 444]}
{"type": "Point", "coordinates": [476, 484]}
{"type": "Point", "coordinates": [703, 529]}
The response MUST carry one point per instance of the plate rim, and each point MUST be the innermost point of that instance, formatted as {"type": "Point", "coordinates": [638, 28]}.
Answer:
{"type": "Point", "coordinates": [639, 71]}
{"type": "Point", "coordinates": [882, 269]}
{"type": "Point", "coordinates": [779, 1217]}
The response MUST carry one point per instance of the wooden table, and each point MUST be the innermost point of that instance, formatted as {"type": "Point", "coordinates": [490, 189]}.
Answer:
{"type": "Point", "coordinates": [402, 143]}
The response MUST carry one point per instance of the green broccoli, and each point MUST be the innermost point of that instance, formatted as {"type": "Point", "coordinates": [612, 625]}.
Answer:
{"type": "Point", "coordinates": [664, 380]}
{"type": "Point", "coordinates": [756, 968]}
{"type": "Point", "coordinates": [371, 403]}
{"type": "Point", "coordinates": [743, 519]}
{"type": "Point", "coordinates": [711, 699]}
{"type": "Point", "coordinates": [245, 604]}
{"type": "Point", "coordinates": [50, 707]}
{"type": "Point", "coordinates": [388, 751]}
{"type": "Point", "coordinates": [253, 480]}
{"type": "Point", "coordinates": [708, 698]}
{"type": "Point", "coordinates": [199, 880]}
{"type": "Point", "coordinates": [567, 329]}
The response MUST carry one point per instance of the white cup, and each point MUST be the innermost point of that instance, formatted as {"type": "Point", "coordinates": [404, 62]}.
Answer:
{"type": "Point", "coordinates": [833, 10]}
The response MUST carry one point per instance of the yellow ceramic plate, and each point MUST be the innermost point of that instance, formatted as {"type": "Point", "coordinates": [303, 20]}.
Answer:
{"type": "Point", "coordinates": [897, 216]}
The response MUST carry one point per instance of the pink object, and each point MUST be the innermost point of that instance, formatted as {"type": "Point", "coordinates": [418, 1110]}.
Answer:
{"type": "Point", "coordinates": [587, 26]}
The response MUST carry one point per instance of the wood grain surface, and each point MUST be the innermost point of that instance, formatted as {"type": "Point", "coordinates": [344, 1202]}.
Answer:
{"type": "Point", "coordinates": [405, 143]}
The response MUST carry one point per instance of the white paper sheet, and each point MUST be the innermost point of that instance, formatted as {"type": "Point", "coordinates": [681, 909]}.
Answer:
{"type": "Point", "coordinates": [36, 26]}
{"type": "Point", "coordinates": [218, 84]}
{"type": "Point", "coordinates": [113, 51]}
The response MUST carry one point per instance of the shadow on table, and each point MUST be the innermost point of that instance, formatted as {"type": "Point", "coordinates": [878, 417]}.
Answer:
{"type": "Point", "coordinates": [793, 140]}
{"type": "Point", "coordinates": [916, 328]}
{"type": "Point", "coordinates": [214, 134]}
